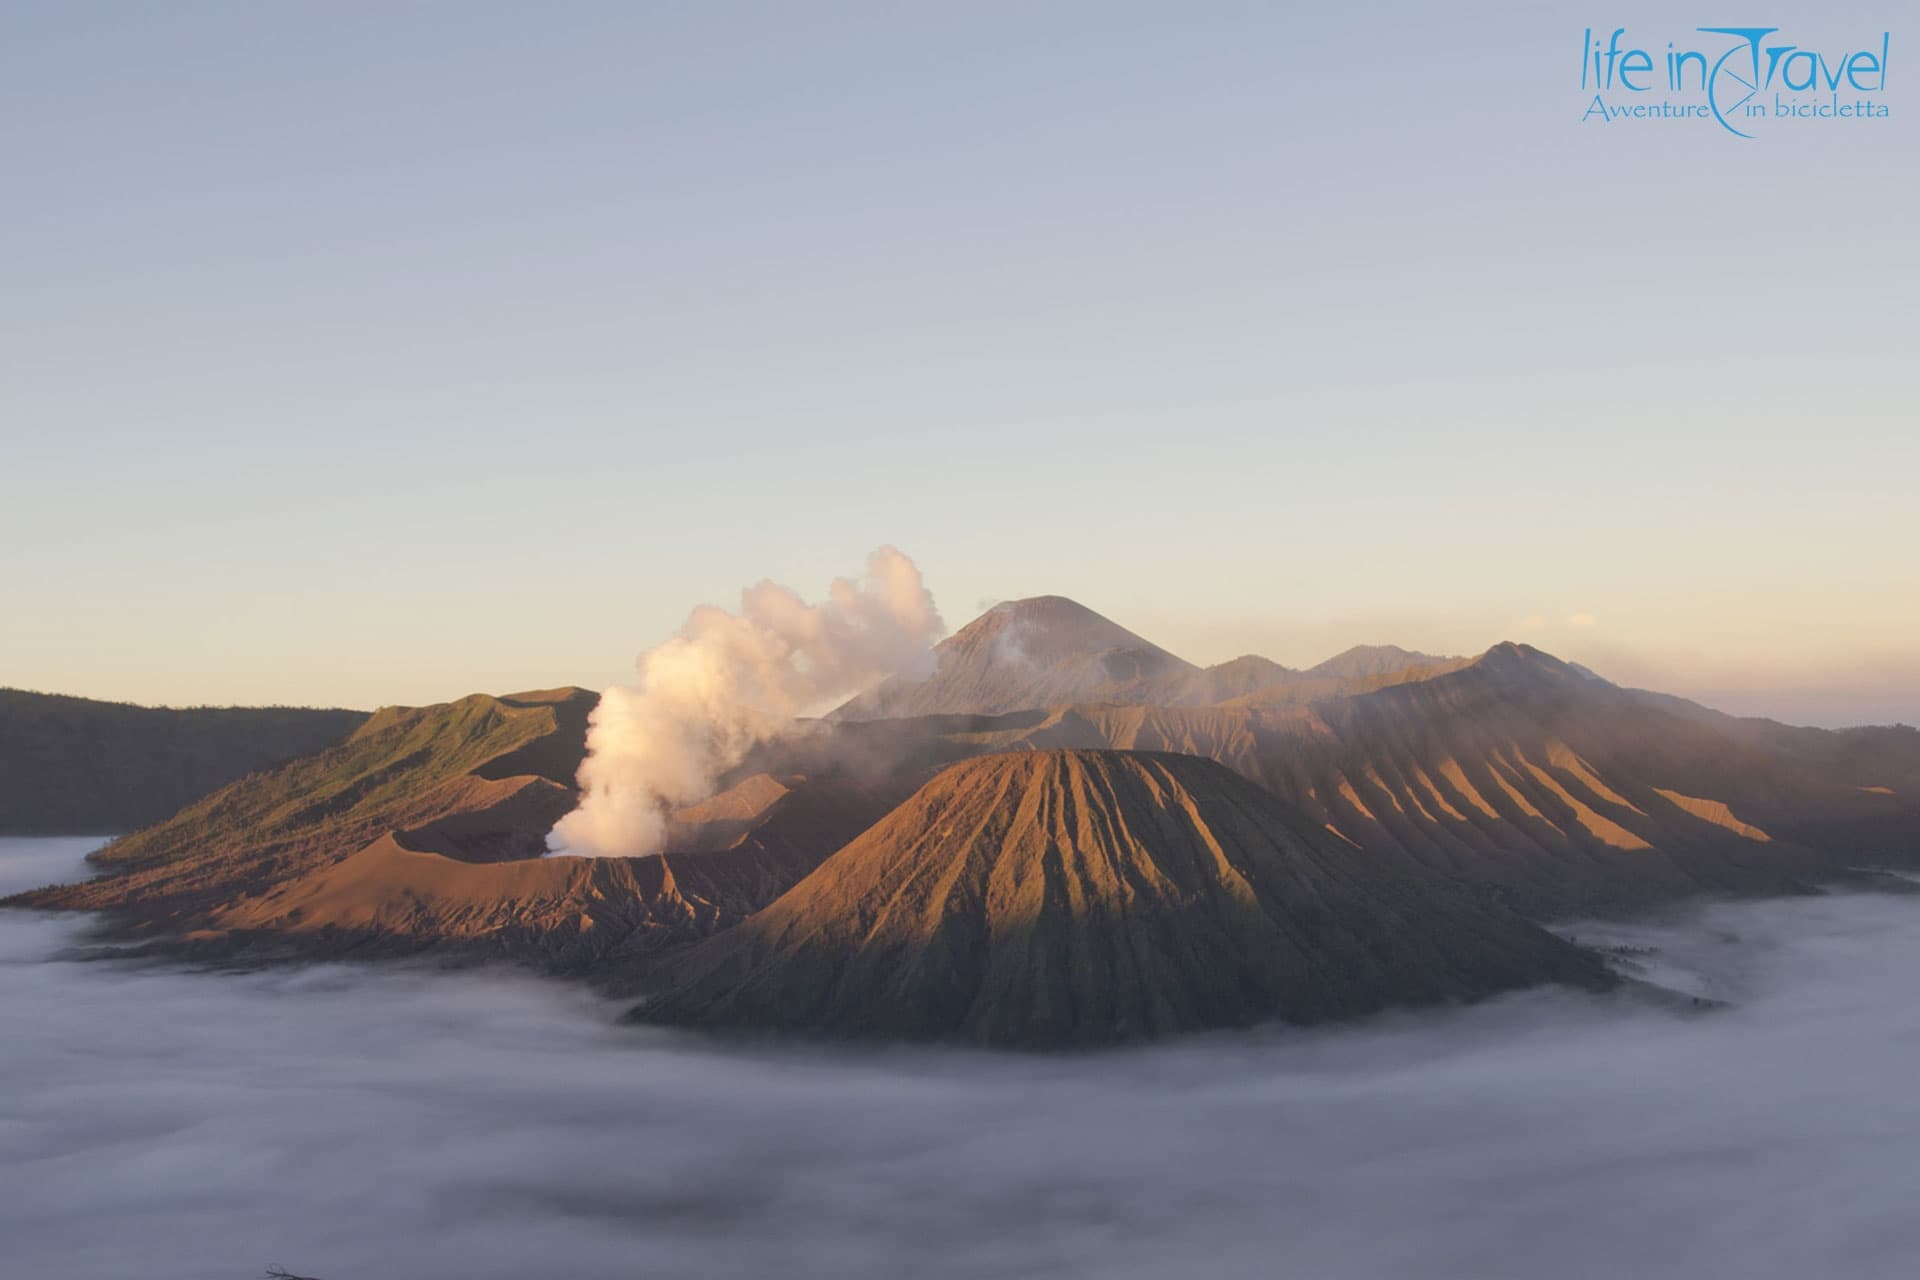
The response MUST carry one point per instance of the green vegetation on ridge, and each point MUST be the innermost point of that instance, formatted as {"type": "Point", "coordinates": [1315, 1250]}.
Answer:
{"type": "Point", "coordinates": [496, 770]}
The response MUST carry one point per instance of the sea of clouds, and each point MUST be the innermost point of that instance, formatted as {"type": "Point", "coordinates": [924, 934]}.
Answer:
{"type": "Point", "coordinates": [360, 1123]}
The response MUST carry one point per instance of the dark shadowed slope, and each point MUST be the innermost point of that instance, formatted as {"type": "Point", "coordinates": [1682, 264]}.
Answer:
{"type": "Point", "coordinates": [1041, 652]}
{"type": "Point", "coordinates": [85, 767]}
{"type": "Point", "coordinates": [1059, 898]}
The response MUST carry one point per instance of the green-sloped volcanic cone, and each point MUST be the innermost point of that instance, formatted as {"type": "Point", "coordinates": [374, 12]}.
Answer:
{"type": "Point", "coordinates": [1077, 898]}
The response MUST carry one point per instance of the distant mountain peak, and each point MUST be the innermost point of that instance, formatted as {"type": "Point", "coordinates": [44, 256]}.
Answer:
{"type": "Point", "coordinates": [1040, 604]}
{"type": "Point", "coordinates": [1512, 654]}
{"type": "Point", "coordinates": [1042, 651]}
{"type": "Point", "coordinates": [1052, 624]}
{"type": "Point", "coordinates": [1251, 662]}
{"type": "Point", "coordinates": [1365, 660]}
{"type": "Point", "coordinates": [1516, 664]}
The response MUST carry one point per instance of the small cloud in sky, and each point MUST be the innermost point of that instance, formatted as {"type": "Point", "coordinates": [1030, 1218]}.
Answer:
{"type": "Point", "coordinates": [1581, 620]}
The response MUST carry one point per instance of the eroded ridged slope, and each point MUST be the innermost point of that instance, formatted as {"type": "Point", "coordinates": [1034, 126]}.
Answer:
{"type": "Point", "coordinates": [1082, 897]}
{"type": "Point", "coordinates": [1519, 773]}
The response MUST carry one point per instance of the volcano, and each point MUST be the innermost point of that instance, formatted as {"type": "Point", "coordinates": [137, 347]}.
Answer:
{"type": "Point", "coordinates": [1042, 652]}
{"type": "Point", "coordinates": [1316, 845]}
{"type": "Point", "coordinates": [1081, 897]}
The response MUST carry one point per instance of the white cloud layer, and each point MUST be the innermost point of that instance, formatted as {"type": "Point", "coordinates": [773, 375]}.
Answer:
{"type": "Point", "coordinates": [360, 1122]}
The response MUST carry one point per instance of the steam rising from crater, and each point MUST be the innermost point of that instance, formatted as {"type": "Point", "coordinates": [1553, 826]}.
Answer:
{"type": "Point", "coordinates": [728, 681]}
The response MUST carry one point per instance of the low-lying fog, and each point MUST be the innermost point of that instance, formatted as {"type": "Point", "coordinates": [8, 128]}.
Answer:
{"type": "Point", "coordinates": [359, 1124]}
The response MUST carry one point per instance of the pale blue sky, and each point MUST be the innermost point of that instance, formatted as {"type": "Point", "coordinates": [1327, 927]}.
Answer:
{"type": "Point", "coordinates": [383, 352]}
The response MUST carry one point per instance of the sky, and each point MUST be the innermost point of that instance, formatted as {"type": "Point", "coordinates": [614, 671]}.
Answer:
{"type": "Point", "coordinates": [365, 353]}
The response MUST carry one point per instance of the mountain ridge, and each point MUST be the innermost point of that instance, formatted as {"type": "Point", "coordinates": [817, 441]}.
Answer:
{"type": "Point", "coordinates": [1364, 660]}
{"type": "Point", "coordinates": [83, 766]}
{"type": "Point", "coordinates": [1512, 777]}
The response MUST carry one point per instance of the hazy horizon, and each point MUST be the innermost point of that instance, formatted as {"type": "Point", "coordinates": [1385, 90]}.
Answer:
{"type": "Point", "coordinates": [361, 355]}
{"type": "Point", "coordinates": [1828, 699]}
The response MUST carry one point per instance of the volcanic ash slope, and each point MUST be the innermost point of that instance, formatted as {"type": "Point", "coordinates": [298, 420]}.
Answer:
{"type": "Point", "coordinates": [1068, 898]}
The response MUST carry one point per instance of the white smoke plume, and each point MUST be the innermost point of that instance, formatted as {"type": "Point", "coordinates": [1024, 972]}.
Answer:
{"type": "Point", "coordinates": [728, 681]}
